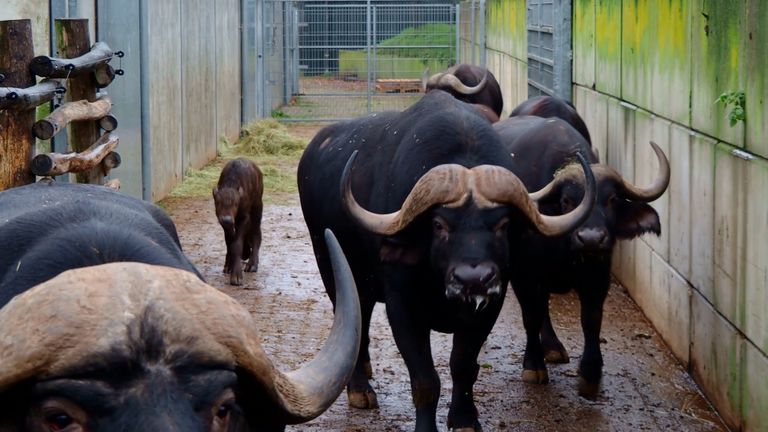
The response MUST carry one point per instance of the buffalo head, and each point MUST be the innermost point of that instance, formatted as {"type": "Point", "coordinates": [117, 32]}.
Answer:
{"type": "Point", "coordinates": [620, 211]}
{"type": "Point", "coordinates": [472, 84]}
{"type": "Point", "coordinates": [469, 210]}
{"type": "Point", "coordinates": [137, 347]}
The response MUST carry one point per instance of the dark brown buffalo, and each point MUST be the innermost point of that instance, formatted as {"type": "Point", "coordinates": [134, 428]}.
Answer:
{"type": "Point", "coordinates": [551, 106]}
{"type": "Point", "coordinates": [238, 200]}
{"type": "Point", "coordinates": [48, 228]}
{"type": "Point", "coordinates": [426, 212]}
{"type": "Point", "coordinates": [135, 347]}
{"type": "Point", "coordinates": [581, 260]}
{"type": "Point", "coordinates": [472, 84]}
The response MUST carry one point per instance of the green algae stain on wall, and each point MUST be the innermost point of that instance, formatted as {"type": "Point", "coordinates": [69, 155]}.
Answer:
{"type": "Point", "coordinates": [584, 42]}
{"type": "Point", "coordinates": [718, 44]}
{"type": "Point", "coordinates": [756, 65]}
{"type": "Point", "coordinates": [506, 27]}
{"type": "Point", "coordinates": [608, 46]}
{"type": "Point", "coordinates": [656, 56]}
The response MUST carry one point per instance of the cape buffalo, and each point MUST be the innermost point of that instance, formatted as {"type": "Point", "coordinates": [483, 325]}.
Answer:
{"type": "Point", "coordinates": [551, 106]}
{"type": "Point", "coordinates": [426, 211]}
{"type": "Point", "coordinates": [136, 347]}
{"type": "Point", "coordinates": [472, 84]}
{"type": "Point", "coordinates": [47, 228]}
{"type": "Point", "coordinates": [238, 201]}
{"type": "Point", "coordinates": [581, 260]}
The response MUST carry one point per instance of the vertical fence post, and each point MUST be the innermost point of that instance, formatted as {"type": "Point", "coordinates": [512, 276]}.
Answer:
{"type": "Point", "coordinates": [368, 25]}
{"type": "Point", "coordinates": [16, 139]}
{"type": "Point", "coordinates": [457, 9]}
{"type": "Point", "coordinates": [482, 34]}
{"type": "Point", "coordinates": [73, 40]}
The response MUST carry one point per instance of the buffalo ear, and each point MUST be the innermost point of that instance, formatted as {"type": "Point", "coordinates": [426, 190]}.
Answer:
{"type": "Point", "coordinates": [394, 251]}
{"type": "Point", "coordinates": [634, 219]}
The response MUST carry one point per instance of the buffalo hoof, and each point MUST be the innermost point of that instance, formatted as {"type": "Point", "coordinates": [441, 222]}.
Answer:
{"type": "Point", "coordinates": [252, 267]}
{"type": "Point", "coordinates": [535, 376]}
{"type": "Point", "coordinates": [557, 356]}
{"type": "Point", "coordinates": [227, 270]}
{"type": "Point", "coordinates": [477, 428]}
{"type": "Point", "coordinates": [587, 389]}
{"type": "Point", "coordinates": [236, 279]}
{"type": "Point", "coordinates": [363, 399]}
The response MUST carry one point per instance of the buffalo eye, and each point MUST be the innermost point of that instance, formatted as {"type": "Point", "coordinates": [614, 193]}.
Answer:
{"type": "Point", "coordinates": [612, 200]}
{"type": "Point", "coordinates": [222, 411]}
{"type": "Point", "coordinates": [501, 227]}
{"type": "Point", "coordinates": [58, 421]}
{"type": "Point", "coordinates": [439, 227]}
{"type": "Point", "coordinates": [567, 204]}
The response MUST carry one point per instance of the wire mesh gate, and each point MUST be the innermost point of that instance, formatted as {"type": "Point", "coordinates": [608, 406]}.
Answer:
{"type": "Point", "coordinates": [334, 59]}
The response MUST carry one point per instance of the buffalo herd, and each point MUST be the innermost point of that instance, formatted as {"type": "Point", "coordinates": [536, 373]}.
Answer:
{"type": "Point", "coordinates": [105, 324]}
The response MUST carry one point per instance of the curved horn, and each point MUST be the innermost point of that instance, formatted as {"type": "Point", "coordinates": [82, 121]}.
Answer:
{"type": "Point", "coordinates": [452, 81]}
{"type": "Point", "coordinates": [499, 185]}
{"type": "Point", "coordinates": [322, 379]}
{"type": "Point", "coordinates": [443, 184]}
{"type": "Point", "coordinates": [654, 190]}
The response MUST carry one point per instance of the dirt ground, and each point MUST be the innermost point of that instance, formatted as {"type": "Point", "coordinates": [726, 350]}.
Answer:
{"type": "Point", "coordinates": [643, 389]}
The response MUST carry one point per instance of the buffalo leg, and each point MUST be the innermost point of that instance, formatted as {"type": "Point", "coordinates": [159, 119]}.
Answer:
{"type": "Point", "coordinates": [229, 239]}
{"type": "Point", "coordinates": [464, 369]}
{"type": "Point", "coordinates": [255, 244]}
{"type": "Point", "coordinates": [591, 365]}
{"type": "Point", "coordinates": [412, 339]}
{"type": "Point", "coordinates": [359, 391]}
{"type": "Point", "coordinates": [236, 277]}
{"type": "Point", "coordinates": [533, 304]}
{"type": "Point", "coordinates": [554, 351]}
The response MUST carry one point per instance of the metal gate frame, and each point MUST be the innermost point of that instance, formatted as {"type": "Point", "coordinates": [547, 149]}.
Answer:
{"type": "Point", "coordinates": [276, 40]}
{"type": "Point", "coordinates": [549, 48]}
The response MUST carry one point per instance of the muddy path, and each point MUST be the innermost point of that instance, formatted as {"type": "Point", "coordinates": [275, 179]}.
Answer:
{"type": "Point", "coordinates": [644, 388]}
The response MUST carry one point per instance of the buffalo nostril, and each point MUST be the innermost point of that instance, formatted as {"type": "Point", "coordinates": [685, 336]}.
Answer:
{"type": "Point", "coordinates": [226, 220]}
{"type": "Point", "coordinates": [469, 275]}
{"type": "Point", "coordinates": [591, 236]}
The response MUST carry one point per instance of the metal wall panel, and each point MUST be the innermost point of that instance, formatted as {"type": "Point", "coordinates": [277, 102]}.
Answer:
{"type": "Point", "coordinates": [117, 23]}
{"type": "Point", "coordinates": [164, 92]}
{"type": "Point", "coordinates": [198, 88]}
{"type": "Point", "coordinates": [227, 71]}
{"type": "Point", "coordinates": [549, 48]}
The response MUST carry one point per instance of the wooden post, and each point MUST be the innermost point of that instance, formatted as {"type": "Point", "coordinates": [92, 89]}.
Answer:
{"type": "Point", "coordinates": [74, 41]}
{"type": "Point", "coordinates": [16, 140]}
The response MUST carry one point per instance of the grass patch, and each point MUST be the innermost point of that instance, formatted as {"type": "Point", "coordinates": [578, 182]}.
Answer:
{"type": "Point", "coordinates": [266, 142]}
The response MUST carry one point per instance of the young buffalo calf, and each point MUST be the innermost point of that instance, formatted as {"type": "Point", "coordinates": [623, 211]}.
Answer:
{"type": "Point", "coordinates": [238, 209]}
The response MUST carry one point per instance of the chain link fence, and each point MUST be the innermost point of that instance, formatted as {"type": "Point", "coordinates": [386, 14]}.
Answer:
{"type": "Point", "coordinates": [326, 60]}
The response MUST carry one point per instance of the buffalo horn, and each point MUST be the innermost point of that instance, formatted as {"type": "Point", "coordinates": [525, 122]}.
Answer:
{"type": "Point", "coordinates": [502, 186]}
{"type": "Point", "coordinates": [449, 80]}
{"type": "Point", "coordinates": [443, 184]}
{"type": "Point", "coordinates": [654, 190]}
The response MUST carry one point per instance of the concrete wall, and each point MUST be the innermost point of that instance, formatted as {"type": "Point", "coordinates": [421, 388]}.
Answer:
{"type": "Point", "coordinates": [504, 44]}
{"type": "Point", "coordinates": [651, 70]}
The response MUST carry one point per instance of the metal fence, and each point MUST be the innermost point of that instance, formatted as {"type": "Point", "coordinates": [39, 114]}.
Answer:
{"type": "Point", "coordinates": [333, 59]}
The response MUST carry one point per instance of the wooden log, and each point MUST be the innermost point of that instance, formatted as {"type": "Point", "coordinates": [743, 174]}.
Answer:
{"type": "Point", "coordinates": [104, 75]}
{"type": "Point", "coordinates": [113, 184]}
{"type": "Point", "coordinates": [110, 162]}
{"type": "Point", "coordinates": [22, 99]}
{"type": "Point", "coordinates": [74, 41]}
{"type": "Point", "coordinates": [108, 122]}
{"type": "Point", "coordinates": [69, 112]}
{"type": "Point", "coordinates": [52, 164]}
{"type": "Point", "coordinates": [69, 67]}
{"type": "Point", "coordinates": [16, 140]}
